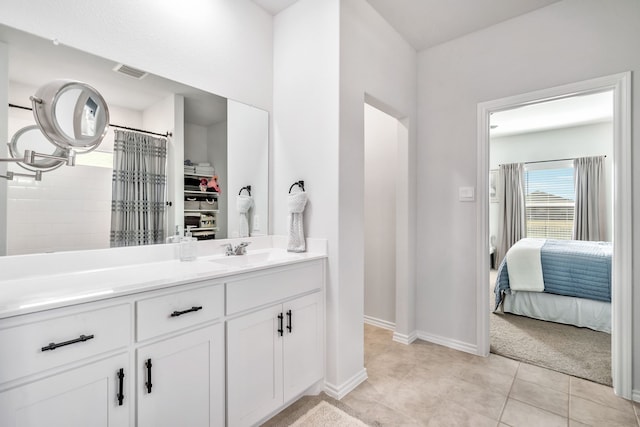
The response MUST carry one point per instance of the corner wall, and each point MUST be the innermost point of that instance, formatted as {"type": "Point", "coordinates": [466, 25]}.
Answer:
{"type": "Point", "coordinates": [568, 41]}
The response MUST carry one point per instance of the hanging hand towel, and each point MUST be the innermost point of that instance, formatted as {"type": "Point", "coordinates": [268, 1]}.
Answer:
{"type": "Point", "coordinates": [243, 203]}
{"type": "Point", "coordinates": [296, 203]}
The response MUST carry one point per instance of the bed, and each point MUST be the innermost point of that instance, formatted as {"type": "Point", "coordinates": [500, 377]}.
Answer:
{"type": "Point", "coordinates": [575, 282]}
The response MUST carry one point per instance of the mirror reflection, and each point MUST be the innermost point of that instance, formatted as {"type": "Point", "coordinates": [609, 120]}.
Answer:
{"type": "Point", "coordinates": [71, 208]}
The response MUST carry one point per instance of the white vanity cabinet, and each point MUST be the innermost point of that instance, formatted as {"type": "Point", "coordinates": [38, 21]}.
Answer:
{"type": "Point", "coordinates": [180, 365]}
{"type": "Point", "coordinates": [274, 350]}
{"type": "Point", "coordinates": [67, 367]}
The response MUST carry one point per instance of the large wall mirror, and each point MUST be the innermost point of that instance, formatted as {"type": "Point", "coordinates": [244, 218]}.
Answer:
{"type": "Point", "coordinates": [216, 151]}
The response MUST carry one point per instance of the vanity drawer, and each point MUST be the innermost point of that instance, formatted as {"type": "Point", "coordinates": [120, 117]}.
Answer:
{"type": "Point", "coordinates": [247, 293]}
{"type": "Point", "coordinates": [171, 312]}
{"type": "Point", "coordinates": [35, 346]}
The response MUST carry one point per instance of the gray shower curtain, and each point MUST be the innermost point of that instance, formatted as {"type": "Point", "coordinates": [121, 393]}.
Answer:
{"type": "Point", "coordinates": [588, 174]}
{"type": "Point", "coordinates": [138, 189]}
{"type": "Point", "coordinates": [511, 215]}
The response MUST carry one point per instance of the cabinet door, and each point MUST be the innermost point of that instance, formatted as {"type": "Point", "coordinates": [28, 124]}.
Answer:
{"type": "Point", "coordinates": [184, 384]}
{"type": "Point", "coordinates": [254, 366]}
{"type": "Point", "coordinates": [81, 397]}
{"type": "Point", "coordinates": [303, 344]}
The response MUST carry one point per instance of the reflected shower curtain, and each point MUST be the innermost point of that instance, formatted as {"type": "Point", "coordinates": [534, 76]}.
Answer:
{"type": "Point", "coordinates": [511, 214]}
{"type": "Point", "coordinates": [138, 189]}
{"type": "Point", "coordinates": [588, 174]}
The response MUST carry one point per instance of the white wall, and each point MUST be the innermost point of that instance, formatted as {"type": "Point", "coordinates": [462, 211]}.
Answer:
{"type": "Point", "coordinates": [195, 143]}
{"type": "Point", "coordinates": [566, 143]}
{"type": "Point", "coordinates": [380, 153]}
{"type": "Point", "coordinates": [327, 56]}
{"type": "Point", "coordinates": [221, 46]}
{"type": "Point", "coordinates": [305, 139]}
{"type": "Point", "coordinates": [247, 164]}
{"type": "Point", "coordinates": [568, 41]}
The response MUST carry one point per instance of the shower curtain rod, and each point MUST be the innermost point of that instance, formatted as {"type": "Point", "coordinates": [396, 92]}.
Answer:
{"type": "Point", "coordinates": [552, 160]}
{"type": "Point", "coordinates": [166, 135]}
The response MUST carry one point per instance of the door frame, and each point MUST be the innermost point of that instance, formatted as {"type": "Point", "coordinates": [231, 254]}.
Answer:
{"type": "Point", "coordinates": [621, 287]}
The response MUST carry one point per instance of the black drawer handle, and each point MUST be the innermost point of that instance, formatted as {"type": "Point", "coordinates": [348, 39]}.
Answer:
{"type": "Point", "coordinates": [281, 321]}
{"type": "Point", "coordinates": [190, 310]}
{"type": "Point", "coordinates": [120, 386]}
{"type": "Point", "coordinates": [289, 323]}
{"type": "Point", "coordinates": [53, 345]}
{"type": "Point", "coordinates": [148, 383]}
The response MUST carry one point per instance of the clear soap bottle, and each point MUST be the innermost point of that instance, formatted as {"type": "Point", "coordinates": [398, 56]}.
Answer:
{"type": "Point", "coordinates": [188, 247]}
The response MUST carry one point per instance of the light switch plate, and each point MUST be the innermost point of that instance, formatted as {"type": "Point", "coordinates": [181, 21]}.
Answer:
{"type": "Point", "coordinates": [466, 194]}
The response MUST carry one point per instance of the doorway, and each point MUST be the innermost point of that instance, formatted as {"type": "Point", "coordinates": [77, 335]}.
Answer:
{"type": "Point", "coordinates": [545, 138]}
{"type": "Point", "coordinates": [380, 171]}
{"type": "Point", "coordinates": [621, 340]}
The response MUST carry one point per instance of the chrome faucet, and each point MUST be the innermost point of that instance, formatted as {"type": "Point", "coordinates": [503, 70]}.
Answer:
{"type": "Point", "coordinates": [241, 249]}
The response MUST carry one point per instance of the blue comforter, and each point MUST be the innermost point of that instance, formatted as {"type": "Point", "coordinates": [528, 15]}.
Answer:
{"type": "Point", "coordinates": [569, 267]}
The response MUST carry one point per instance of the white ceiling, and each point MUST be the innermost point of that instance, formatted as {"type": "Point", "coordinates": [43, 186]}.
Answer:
{"type": "Point", "coordinates": [565, 112]}
{"type": "Point", "coordinates": [35, 61]}
{"type": "Point", "coordinates": [426, 23]}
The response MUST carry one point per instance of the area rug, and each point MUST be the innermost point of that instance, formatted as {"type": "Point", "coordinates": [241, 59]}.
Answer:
{"type": "Point", "coordinates": [580, 352]}
{"type": "Point", "coordinates": [325, 414]}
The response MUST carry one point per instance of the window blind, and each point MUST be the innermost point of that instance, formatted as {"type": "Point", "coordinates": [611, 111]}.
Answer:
{"type": "Point", "coordinates": [549, 200]}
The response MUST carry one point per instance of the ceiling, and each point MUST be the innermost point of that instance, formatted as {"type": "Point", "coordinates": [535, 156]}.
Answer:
{"type": "Point", "coordinates": [566, 112]}
{"type": "Point", "coordinates": [34, 61]}
{"type": "Point", "coordinates": [426, 23]}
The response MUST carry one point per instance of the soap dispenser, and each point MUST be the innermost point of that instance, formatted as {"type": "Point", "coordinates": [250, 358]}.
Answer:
{"type": "Point", "coordinates": [188, 246]}
{"type": "Point", "coordinates": [176, 237]}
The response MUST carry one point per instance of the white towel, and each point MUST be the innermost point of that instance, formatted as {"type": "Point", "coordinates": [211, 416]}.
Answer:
{"type": "Point", "coordinates": [524, 266]}
{"type": "Point", "coordinates": [296, 203]}
{"type": "Point", "coordinates": [244, 204]}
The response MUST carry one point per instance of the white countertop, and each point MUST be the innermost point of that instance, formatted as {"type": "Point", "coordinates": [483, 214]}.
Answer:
{"type": "Point", "coordinates": [42, 292]}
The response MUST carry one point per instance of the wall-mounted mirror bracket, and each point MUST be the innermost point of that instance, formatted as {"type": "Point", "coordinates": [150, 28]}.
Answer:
{"type": "Point", "coordinates": [10, 175]}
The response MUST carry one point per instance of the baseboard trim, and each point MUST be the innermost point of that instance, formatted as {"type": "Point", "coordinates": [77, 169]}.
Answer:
{"type": "Point", "coordinates": [405, 339]}
{"type": "Point", "coordinates": [635, 395]}
{"type": "Point", "coordinates": [340, 391]}
{"type": "Point", "coordinates": [384, 324]}
{"type": "Point", "coordinates": [447, 342]}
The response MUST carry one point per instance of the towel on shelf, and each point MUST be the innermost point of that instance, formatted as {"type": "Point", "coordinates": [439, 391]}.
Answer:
{"type": "Point", "coordinates": [243, 203]}
{"type": "Point", "coordinates": [296, 203]}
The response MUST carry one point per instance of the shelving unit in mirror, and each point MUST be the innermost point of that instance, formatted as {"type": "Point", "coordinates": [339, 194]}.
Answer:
{"type": "Point", "coordinates": [200, 207]}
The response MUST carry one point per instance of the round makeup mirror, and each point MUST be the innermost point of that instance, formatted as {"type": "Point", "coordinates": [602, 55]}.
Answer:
{"type": "Point", "coordinates": [71, 114]}
{"type": "Point", "coordinates": [31, 138]}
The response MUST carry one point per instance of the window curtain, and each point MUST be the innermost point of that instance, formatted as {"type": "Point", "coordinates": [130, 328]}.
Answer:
{"type": "Point", "coordinates": [138, 189]}
{"type": "Point", "coordinates": [511, 208]}
{"type": "Point", "coordinates": [588, 174]}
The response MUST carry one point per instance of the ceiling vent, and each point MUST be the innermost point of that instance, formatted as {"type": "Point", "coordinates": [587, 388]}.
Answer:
{"type": "Point", "coordinates": [130, 71]}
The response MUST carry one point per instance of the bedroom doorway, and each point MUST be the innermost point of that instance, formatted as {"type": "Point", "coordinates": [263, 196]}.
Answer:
{"type": "Point", "coordinates": [545, 138]}
{"type": "Point", "coordinates": [621, 338]}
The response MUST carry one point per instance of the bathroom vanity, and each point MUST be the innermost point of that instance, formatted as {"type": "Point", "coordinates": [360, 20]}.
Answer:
{"type": "Point", "coordinates": [213, 342]}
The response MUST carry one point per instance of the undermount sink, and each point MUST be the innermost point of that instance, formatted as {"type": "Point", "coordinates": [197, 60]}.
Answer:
{"type": "Point", "coordinates": [257, 258]}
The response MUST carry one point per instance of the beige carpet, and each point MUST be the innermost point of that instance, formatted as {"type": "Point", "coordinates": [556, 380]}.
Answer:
{"type": "Point", "coordinates": [580, 352]}
{"type": "Point", "coordinates": [320, 410]}
{"type": "Point", "coordinates": [325, 414]}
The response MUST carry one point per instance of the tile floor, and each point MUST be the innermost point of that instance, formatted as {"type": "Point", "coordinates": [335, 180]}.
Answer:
{"type": "Point", "coordinates": [430, 385]}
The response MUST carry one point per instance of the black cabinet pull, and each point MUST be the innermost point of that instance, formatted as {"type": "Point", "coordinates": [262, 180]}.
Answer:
{"type": "Point", "coordinates": [53, 345]}
{"type": "Point", "coordinates": [289, 321]}
{"type": "Point", "coordinates": [190, 310]}
{"type": "Point", "coordinates": [281, 321]}
{"type": "Point", "coordinates": [148, 383]}
{"type": "Point", "coordinates": [120, 386]}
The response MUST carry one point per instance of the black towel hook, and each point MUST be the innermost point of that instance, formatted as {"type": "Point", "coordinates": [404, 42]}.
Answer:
{"type": "Point", "coordinates": [299, 184]}
{"type": "Point", "coordinates": [248, 188]}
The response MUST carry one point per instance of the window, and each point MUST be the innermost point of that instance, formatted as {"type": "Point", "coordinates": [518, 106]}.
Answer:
{"type": "Point", "coordinates": [549, 200]}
